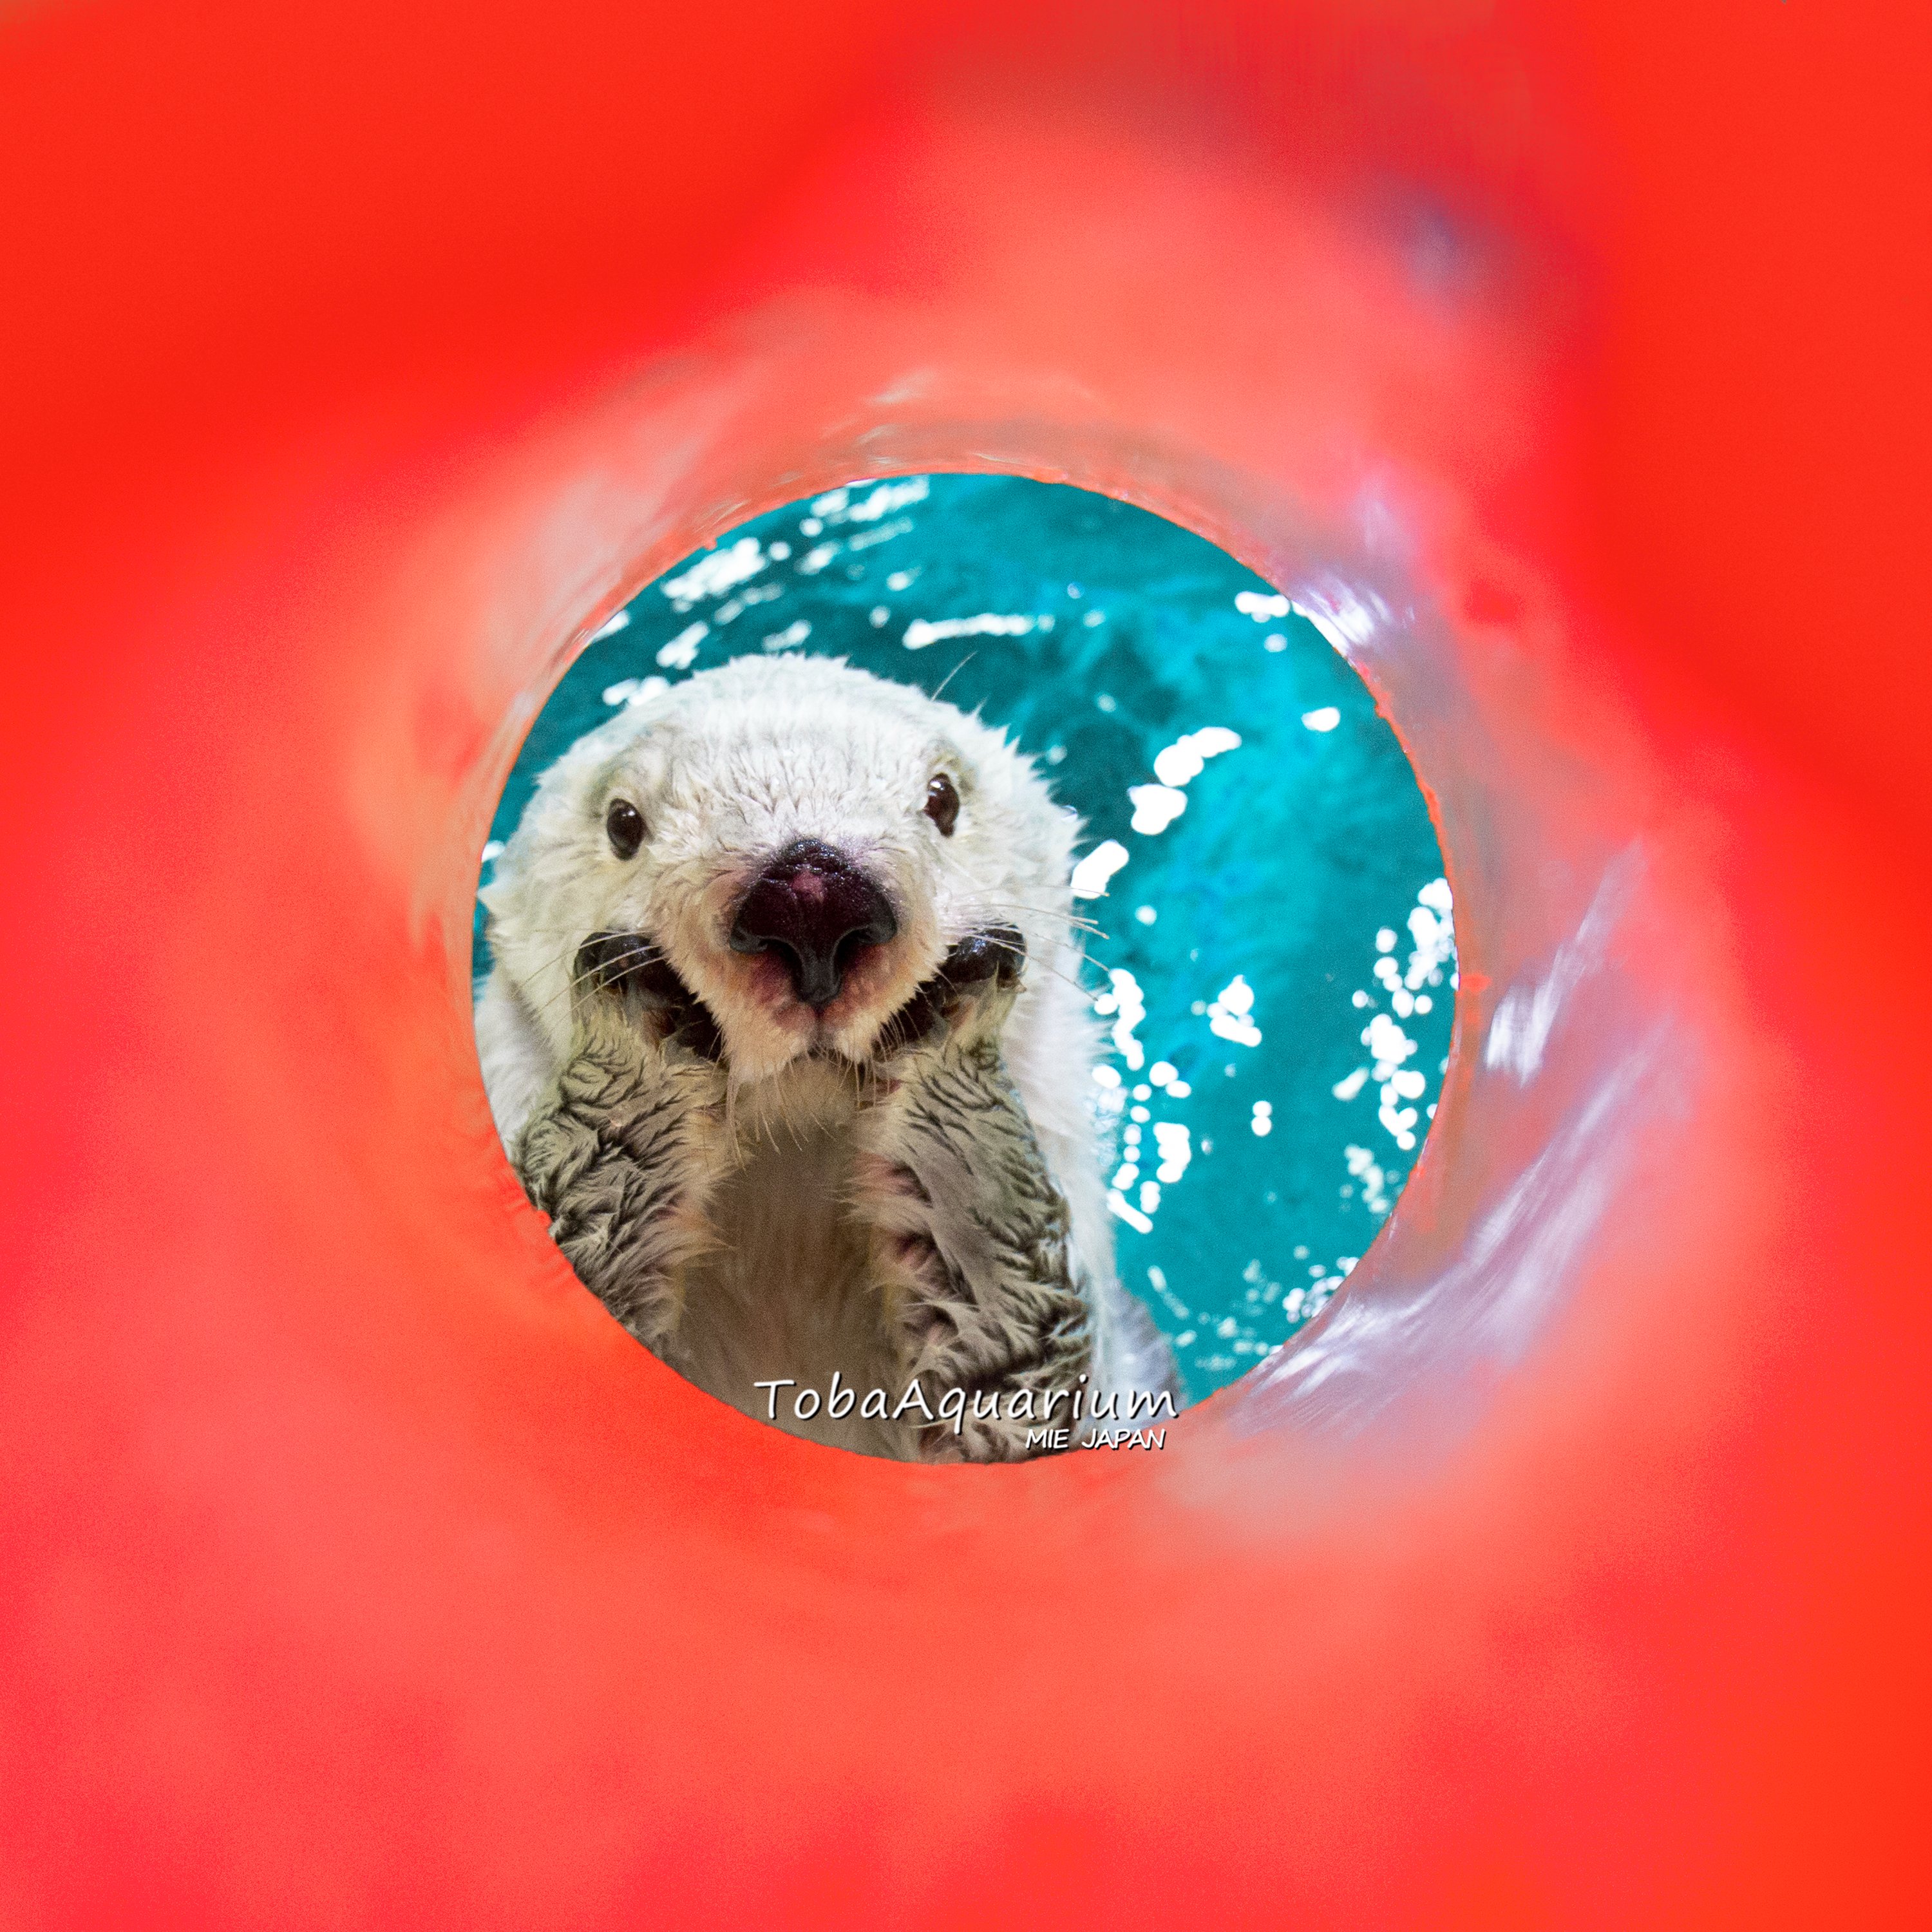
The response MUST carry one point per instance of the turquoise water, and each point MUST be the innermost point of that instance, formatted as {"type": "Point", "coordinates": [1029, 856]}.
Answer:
{"type": "Point", "coordinates": [1277, 972]}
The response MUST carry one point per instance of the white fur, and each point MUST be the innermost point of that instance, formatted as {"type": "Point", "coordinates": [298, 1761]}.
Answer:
{"type": "Point", "coordinates": [728, 768]}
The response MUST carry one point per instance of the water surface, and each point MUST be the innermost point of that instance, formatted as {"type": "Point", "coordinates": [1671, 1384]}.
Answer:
{"type": "Point", "coordinates": [1278, 971]}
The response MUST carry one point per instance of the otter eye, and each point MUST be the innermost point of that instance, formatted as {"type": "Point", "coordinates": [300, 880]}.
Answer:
{"type": "Point", "coordinates": [626, 824]}
{"type": "Point", "coordinates": [942, 804]}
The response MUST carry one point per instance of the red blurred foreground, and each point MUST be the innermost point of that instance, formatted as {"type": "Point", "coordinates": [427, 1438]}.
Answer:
{"type": "Point", "coordinates": [357, 1571]}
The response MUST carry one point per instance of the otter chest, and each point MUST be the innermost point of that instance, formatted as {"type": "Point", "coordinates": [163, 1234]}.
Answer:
{"type": "Point", "coordinates": [788, 1293]}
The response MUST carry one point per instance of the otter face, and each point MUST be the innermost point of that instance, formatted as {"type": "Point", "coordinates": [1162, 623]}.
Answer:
{"type": "Point", "coordinates": [803, 844]}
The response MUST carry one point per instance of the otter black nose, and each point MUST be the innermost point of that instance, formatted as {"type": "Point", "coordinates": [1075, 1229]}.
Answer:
{"type": "Point", "coordinates": [819, 910]}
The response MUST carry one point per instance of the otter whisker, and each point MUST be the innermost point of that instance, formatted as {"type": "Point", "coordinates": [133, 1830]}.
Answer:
{"type": "Point", "coordinates": [542, 1009]}
{"type": "Point", "coordinates": [1033, 905]}
{"type": "Point", "coordinates": [1046, 911]}
{"type": "Point", "coordinates": [953, 674]}
{"type": "Point", "coordinates": [601, 974]}
{"type": "Point", "coordinates": [1075, 919]}
{"type": "Point", "coordinates": [1071, 931]}
{"type": "Point", "coordinates": [1020, 953]}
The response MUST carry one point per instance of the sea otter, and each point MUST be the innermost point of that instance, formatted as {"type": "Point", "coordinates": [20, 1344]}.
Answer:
{"type": "Point", "coordinates": [785, 1033]}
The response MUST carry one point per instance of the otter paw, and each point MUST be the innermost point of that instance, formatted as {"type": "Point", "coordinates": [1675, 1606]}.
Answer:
{"type": "Point", "coordinates": [969, 986]}
{"type": "Point", "coordinates": [622, 974]}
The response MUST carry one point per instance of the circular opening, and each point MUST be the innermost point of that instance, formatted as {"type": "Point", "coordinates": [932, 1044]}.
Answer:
{"type": "Point", "coordinates": [1210, 1019]}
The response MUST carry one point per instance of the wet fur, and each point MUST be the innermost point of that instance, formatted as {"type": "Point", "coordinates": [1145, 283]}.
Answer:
{"type": "Point", "coordinates": [911, 1186]}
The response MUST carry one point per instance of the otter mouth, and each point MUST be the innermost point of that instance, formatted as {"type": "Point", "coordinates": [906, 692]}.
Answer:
{"type": "Point", "coordinates": [628, 967]}
{"type": "Point", "coordinates": [993, 955]}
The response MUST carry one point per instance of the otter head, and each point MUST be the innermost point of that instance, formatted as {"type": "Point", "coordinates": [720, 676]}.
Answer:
{"type": "Point", "coordinates": [801, 844]}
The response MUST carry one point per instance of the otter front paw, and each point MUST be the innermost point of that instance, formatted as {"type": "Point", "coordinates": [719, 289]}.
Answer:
{"type": "Point", "coordinates": [622, 974]}
{"type": "Point", "coordinates": [971, 1229]}
{"type": "Point", "coordinates": [625, 1153]}
{"type": "Point", "coordinates": [968, 997]}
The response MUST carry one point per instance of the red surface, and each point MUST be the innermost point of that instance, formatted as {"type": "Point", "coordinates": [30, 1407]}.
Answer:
{"type": "Point", "coordinates": [356, 1571]}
